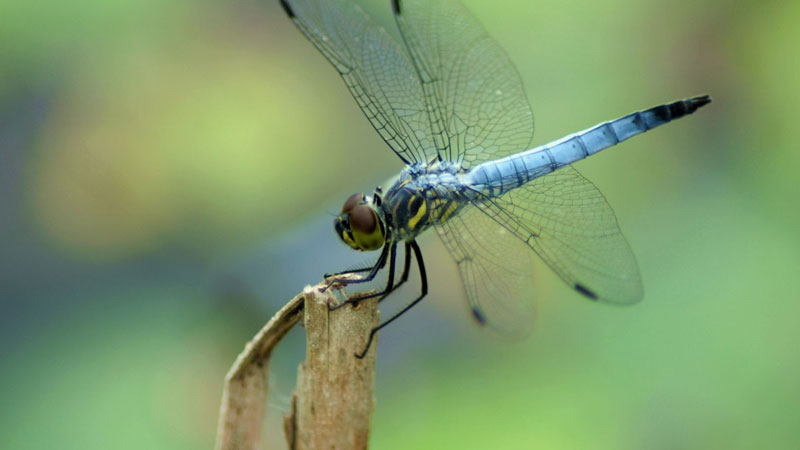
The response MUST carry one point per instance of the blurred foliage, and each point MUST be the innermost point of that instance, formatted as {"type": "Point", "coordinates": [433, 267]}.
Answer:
{"type": "Point", "coordinates": [165, 167]}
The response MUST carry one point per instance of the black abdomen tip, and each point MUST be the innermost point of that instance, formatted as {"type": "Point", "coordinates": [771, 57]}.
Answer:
{"type": "Point", "coordinates": [694, 103]}
{"type": "Point", "coordinates": [700, 101]}
{"type": "Point", "coordinates": [396, 6]}
{"type": "Point", "coordinates": [680, 108]}
{"type": "Point", "coordinates": [585, 291]}
{"type": "Point", "coordinates": [287, 8]}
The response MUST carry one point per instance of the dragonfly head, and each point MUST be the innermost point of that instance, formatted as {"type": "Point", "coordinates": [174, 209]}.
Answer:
{"type": "Point", "coordinates": [360, 225]}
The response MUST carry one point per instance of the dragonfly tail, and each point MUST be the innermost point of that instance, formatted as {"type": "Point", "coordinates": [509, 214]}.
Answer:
{"type": "Point", "coordinates": [496, 177]}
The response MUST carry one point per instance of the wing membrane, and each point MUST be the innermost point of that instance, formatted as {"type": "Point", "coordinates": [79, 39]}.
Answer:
{"type": "Point", "coordinates": [376, 70]}
{"type": "Point", "coordinates": [477, 107]}
{"type": "Point", "coordinates": [566, 220]}
{"type": "Point", "coordinates": [495, 267]}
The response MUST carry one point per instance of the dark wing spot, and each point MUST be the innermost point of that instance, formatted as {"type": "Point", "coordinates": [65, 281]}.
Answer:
{"type": "Point", "coordinates": [585, 291]}
{"type": "Point", "coordinates": [396, 7]}
{"type": "Point", "coordinates": [287, 8]}
{"type": "Point", "coordinates": [478, 315]}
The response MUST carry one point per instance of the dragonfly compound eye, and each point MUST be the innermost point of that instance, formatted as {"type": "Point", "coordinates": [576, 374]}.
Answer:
{"type": "Point", "coordinates": [367, 233]}
{"type": "Point", "coordinates": [352, 202]}
{"type": "Point", "coordinates": [363, 219]}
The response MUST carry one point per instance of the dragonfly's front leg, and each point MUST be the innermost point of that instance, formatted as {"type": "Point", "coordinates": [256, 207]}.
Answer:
{"type": "Point", "coordinates": [347, 272]}
{"type": "Point", "coordinates": [342, 278]}
{"type": "Point", "coordinates": [390, 286]}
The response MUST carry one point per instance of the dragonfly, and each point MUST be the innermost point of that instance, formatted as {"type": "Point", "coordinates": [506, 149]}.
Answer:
{"type": "Point", "coordinates": [447, 100]}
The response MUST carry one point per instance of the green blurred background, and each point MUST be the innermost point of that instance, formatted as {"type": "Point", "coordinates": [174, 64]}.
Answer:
{"type": "Point", "coordinates": [165, 172]}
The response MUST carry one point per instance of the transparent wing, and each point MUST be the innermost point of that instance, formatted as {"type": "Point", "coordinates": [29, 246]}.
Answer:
{"type": "Point", "coordinates": [477, 107]}
{"type": "Point", "coordinates": [375, 68]}
{"type": "Point", "coordinates": [495, 267]}
{"type": "Point", "coordinates": [566, 220]}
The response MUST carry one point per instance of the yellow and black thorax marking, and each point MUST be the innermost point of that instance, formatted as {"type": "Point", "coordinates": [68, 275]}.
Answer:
{"type": "Point", "coordinates": [414, 210]}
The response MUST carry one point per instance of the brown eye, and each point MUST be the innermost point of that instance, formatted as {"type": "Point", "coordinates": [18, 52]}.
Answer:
{"type": "Point", "coordinates": [352, 202]}
{"type": "Point", "coordinates": [362, 219]}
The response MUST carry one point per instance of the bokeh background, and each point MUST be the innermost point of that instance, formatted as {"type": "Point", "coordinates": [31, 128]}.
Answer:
{"type": "Point", "coordinates": [166, 173]}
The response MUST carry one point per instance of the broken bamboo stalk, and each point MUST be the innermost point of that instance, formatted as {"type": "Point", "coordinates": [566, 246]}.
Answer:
{"type": "Point", "coordinates": [332, 403]}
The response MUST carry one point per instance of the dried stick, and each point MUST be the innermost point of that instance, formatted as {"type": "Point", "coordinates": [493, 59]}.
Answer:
{"type": "Point", "coordinates": [333, 400]}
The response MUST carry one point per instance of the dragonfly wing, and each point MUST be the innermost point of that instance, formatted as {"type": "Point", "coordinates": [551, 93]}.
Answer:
{"type": "Point", "coordinates": [477, 106]}
{"type": "Point", "coordinates": [376, 70]}
{"type": "Point", "coordinates": [565, 219]}
{"type": "Point", "coordinates": [495, 268]}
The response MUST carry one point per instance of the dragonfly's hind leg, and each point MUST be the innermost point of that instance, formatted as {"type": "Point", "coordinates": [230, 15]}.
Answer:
{"type": "Point", "coordinates": [424, 291]}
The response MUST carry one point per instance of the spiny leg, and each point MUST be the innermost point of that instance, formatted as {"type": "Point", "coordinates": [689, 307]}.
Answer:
{"type": "Point", "coordinates": [386, 290]}
{"type": "Point", "coordinates": [373, 271]}
{"type": "Point", "coordinates": [389, 288]}
{"type": "Point", "coordinates": [346, 272]}
{"type": "Point", "coordinates": [424, 288]}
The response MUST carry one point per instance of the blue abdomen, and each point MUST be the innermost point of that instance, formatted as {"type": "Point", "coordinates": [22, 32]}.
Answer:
{"type": "Point", "coordinates": [493, 178]}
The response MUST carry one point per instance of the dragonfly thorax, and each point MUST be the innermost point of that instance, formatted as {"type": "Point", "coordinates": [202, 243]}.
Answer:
{"type": "Point", "coordinates": [421, 197]}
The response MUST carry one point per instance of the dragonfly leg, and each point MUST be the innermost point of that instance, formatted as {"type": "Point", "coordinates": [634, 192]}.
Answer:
{"type": "Point", "coordinates": [389, 288]}
{"type": "Point", "coordinates": [349, 271]}
{"type": "Point", "coordinates": [424, 288]}
{"type": "Point", "coordinates": [404, 275]}
{"type": "Point", "coordinates": [345, 272]}
{"type": "Point", "coordinates": [386, 290]}
{"type": "Point", "coordinates": [379, 264]}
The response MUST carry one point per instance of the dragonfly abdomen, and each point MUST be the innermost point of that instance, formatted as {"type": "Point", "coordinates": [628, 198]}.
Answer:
{"type": "Point", "coordinates": [496, 177]}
